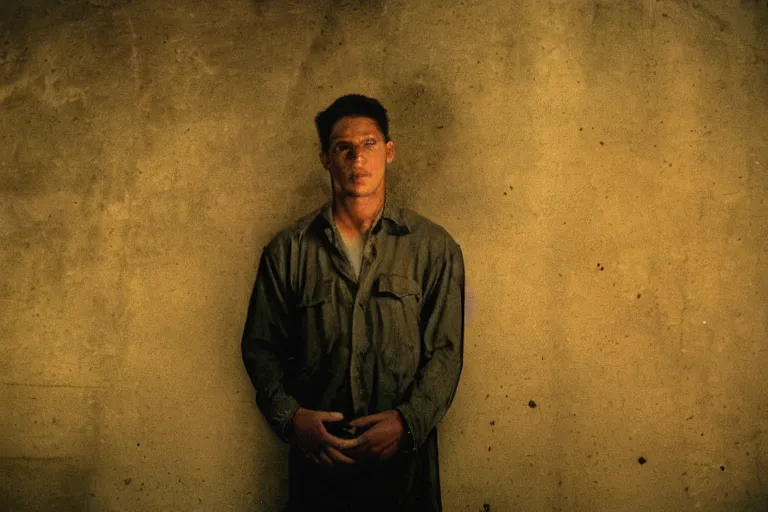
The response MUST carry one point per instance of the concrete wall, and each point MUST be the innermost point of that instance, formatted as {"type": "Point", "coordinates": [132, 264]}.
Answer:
{"type": "Point", "coordinates": [602, 163]}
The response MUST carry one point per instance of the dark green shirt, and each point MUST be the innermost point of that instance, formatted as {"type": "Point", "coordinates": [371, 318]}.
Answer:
{"type": "Point", "coordinates": [320, 338]}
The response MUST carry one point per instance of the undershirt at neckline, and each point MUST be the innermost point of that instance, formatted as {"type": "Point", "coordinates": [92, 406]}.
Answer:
{"type": "Point", "coordinates": [354, 248]}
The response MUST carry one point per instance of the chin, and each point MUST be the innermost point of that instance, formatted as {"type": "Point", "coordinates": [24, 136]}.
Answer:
{"type": "Point", "coordinates": [358, 191]}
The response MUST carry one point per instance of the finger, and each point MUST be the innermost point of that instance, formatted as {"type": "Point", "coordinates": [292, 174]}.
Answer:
{"type": "Point", "coordinates": [338, 442]}
{"type": "Point", "coordinates": [325, 459]}
{"type": "Point", "coordinates": [337, 456]}
{"type": "Point", "coordinates": [331, 416]}
{"type": "Point", "coordinates": [358, 446]}
{"type": "Point", "coordinates": [367, 420]}
{"type": "Point", "coordinates": [345, 444]}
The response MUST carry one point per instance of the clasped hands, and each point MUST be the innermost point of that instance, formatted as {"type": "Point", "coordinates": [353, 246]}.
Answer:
{"type": "Point", "coordinates": [380, 441]}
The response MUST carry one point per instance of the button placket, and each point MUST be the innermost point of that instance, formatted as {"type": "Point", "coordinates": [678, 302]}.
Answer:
{"type": "Point", "coordinates": [361, 388]}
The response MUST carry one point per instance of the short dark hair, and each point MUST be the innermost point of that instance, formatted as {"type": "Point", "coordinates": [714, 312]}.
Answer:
{"type": "Point", "coordinates": [355, 105]}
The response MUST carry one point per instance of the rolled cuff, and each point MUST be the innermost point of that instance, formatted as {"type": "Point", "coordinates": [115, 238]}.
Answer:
{"type": "Point", "coordinates": [412, 443]}
{"type": "Point", "coordinates": [281, 418]}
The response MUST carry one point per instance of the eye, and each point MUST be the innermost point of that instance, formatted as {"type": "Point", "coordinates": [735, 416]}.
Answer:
{"type": "Point", "coordinates": [370, 143]}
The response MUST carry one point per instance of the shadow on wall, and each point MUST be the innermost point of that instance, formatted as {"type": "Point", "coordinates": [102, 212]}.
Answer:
{"type": "Point", "coordinates": [753, 503]}
{"type": "Point", "coordinates": [61, 484]}
{"type": "Point", "coordinates": [420, 114]}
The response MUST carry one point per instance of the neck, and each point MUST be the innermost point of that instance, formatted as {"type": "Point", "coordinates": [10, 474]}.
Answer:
{"type": "Point", "coordinates": [357, 214]}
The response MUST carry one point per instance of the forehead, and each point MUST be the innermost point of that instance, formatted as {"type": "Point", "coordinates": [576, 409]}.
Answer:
{"type": "Point", "coordinates": [349, 127]}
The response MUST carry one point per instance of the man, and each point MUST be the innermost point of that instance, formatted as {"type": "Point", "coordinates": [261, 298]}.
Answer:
{"type": "Point", "coordinates": [355, 331]}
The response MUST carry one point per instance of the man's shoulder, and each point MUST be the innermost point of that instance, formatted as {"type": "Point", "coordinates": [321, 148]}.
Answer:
{"type": "Point", "coordinates": [294, 232]}
{"type": "Point", "coordinates": [428, 229]}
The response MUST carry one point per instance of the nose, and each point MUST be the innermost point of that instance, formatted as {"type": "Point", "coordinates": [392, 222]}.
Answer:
{"type": "Point", "coordinates": [355, 154]}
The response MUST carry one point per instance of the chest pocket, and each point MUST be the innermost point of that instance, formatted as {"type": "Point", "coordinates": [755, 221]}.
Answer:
{"type": "Point", "coordinates": [399, 287]}
{"type": "Point", "coordinates": [316, 322]}
{"type": "Point", "coordinates": [397, 331]}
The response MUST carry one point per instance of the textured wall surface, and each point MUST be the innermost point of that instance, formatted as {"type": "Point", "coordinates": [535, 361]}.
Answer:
{"type": "Point", "coordinates": [603, 165]}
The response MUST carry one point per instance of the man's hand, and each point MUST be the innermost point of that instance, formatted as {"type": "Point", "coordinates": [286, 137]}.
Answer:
{"type": "Point", "coordinates": [318, 445]}
{"type": "Point", "coordinates": [381, 441]}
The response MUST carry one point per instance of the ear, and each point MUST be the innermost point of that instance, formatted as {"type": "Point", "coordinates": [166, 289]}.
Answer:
{"type": "Point", "coordinates": [390, 151]}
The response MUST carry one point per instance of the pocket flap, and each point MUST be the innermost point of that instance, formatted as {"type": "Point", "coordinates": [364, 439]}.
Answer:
{"type": "Point", "coordinates": [399, 286]}
{"type": "Point", "coordinates": [317, 294]}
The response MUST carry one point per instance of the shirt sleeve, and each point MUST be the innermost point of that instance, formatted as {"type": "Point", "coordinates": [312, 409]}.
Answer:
{"type": "Point", "coordinates": [265, 342]}
{"type": "Point", "coordinates": [435, 384]}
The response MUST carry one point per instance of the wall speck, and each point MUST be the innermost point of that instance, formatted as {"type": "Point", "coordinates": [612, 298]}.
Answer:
{"type": "Point", "coordinates": [486, 507]}
{"type": "Point", "coordinates": [722, 468]}
{"type": "Point", "coordinates": [493, 423]}
{"type": "Point", "coordinates": [642, 460]}
{"type": "Point", "coordinates": [127, 481]}
{"type": "Point", "coordinates": [602, 143]}
{"type": "Point", "coordinates": [638, 295]}
{"type": "Point", "coordinates": [531, 404]}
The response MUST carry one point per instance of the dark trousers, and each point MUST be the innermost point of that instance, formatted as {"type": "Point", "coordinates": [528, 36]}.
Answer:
{"type": "Point", "coordinates": [364, 486]}
{"type": "Point", "coordinates": [403, 483]}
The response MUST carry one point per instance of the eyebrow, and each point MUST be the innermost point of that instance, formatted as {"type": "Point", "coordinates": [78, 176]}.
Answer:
{"type": "Point", "coordinates": [364, 137]}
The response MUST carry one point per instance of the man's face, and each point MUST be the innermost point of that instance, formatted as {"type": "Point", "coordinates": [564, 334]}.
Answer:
{"type": "Point", "coordinates": [357, 157]}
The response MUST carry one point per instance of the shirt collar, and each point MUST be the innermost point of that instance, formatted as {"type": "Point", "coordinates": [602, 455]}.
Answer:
{"type": "Point", "coordinates": [391, 211]}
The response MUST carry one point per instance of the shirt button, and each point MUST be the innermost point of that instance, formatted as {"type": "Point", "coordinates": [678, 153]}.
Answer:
{"type": "Point", "coordinates": [362, 306]}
